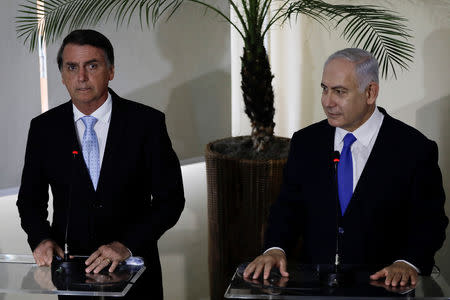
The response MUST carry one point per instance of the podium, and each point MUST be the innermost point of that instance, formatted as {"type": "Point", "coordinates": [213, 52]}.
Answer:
{"type": "Point", "coordinates": [20, 274]}
{"type": "Point", "coordinates": [310, 282]}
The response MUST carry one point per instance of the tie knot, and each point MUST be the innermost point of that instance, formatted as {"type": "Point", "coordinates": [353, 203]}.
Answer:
{"type": "Point", "coordinates": [89, 122]}
{"type": "Point", "coordinates": [349, 139]}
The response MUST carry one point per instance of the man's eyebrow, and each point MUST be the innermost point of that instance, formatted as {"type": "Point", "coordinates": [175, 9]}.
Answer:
{"type": "Point", "coordinates": [333, 87]}
{"type": "Point", "coordinates": [85, 63]}
{"type": "Point", "coordinates": [91, 61]}
{"type": "Point", "coordinates": [339, 87]}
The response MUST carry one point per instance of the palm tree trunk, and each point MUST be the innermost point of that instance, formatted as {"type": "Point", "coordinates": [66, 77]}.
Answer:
{"type": "Point", "coordinates": [258, 93]}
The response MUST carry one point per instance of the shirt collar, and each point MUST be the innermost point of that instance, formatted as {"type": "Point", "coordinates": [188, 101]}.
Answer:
{"type": "Point", "coordinates": [102, 114]}
{"type": "Point", "coordinates": [365, 132]}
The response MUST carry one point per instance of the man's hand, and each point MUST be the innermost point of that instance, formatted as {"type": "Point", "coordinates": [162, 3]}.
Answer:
{"type": "Point", "coordinates": [265, 262]}
{"type": "Point", "coordinates": [43, 253]}
{"type": "Point", "coordinates": [398, 272]}
{"type": "Point", "coordinates": [113, 253]}
{"type": "Point", "coordinates": [393, 289]}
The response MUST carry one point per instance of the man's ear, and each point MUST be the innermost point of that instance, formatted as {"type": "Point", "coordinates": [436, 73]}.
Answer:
{"type": "Point", "coordinates": [372, 92]}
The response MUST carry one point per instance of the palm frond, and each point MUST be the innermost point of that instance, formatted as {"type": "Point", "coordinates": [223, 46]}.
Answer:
{"type": "Point", "coordinates": [278, 14]}
{"type": "Point", "coordinates": [380, 31]}
{"type": "Point", "coordinates": [58, 16]}
{"type": "Point", "coordinates": [373, 28]}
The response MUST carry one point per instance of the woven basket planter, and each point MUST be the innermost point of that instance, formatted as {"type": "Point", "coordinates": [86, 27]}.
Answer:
{"type": "Point", "coordinates": [240, 193]}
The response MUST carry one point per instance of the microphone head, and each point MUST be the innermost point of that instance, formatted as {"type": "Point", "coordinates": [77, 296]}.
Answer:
{"type": "Point", "coordinates": [336, 156]}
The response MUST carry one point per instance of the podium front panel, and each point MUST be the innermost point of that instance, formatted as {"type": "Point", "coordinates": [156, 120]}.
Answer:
{"type": "Point", "coordinates": [20, 274]}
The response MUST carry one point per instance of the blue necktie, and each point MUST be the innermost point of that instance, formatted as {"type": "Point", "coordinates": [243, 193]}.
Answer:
{"type": "Point", "coordinates": [345, 172]}
{"type": "Point", "coordinates": [89, 145]}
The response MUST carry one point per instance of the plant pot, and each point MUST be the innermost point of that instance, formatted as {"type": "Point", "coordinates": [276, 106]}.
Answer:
{"type": "Point", "coordinates": [240, 193]}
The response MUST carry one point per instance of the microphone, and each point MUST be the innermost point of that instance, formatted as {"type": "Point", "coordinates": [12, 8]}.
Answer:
{"type": "Point", "coordinates": [336, 158]}
{"type": "Point", "coordinates": [335, 278]}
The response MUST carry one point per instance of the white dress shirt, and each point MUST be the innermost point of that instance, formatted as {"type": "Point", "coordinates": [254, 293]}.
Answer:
{"type": "Point", "coordinates": [103, 116]}
{"type": "Point", "coordinates": [366, 136]}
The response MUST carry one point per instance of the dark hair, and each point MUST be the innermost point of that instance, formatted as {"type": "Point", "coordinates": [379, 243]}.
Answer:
{"type": "Point", "coordinates": [87, 37]}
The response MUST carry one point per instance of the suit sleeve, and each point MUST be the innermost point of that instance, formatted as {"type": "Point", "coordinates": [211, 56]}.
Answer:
{"type": "Point", "coordinates": [167, 199]}
{"type": "Point", "coordinates": [33, 193]}
{"type": "Point", "coordinates": [283, 229]}
{"type": "Point", "coordinates": [427, 223]}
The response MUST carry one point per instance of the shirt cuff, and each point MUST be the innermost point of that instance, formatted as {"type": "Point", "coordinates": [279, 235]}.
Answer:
{"type": "Point", "coordinates": [274, 248]}
{"type": "Point", "coordinates": [408, 263]}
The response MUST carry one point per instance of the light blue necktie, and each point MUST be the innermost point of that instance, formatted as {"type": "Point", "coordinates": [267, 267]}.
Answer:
{"type": "Point", "coordinates": [345, 173]}
{"type": "Point", "coordinates": [89, 145]}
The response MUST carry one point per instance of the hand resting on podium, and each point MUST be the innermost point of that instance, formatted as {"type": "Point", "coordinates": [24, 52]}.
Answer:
{"type": "Point", "coordinates": [43, 253]}
{"type": "Point", "coordinates": [265, 262]}
{"type": "Point", "coordinates": [399, 273]}
{"type": "Point", "coordinates": [107, 255]}
{"type": "Point", "coordinates": [113, 254]}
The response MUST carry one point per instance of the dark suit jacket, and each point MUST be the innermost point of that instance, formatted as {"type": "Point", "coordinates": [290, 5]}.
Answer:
{"type": "Point", "coordinates": [396, 212]}
{"type": "Point", "coordinates": [139, 194]}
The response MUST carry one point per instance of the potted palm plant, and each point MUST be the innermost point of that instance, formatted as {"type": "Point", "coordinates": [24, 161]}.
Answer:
{"type": "Point", "coordinates": [244, 173]}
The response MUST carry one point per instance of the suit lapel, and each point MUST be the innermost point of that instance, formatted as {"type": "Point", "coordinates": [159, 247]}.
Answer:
{"type": "Point", "coordinates": [115, 131]}
{"type": "Point", "coordinates": [329, 146]}
{"type": "Point", "coordinates": [371, 171]}
{"type": "Point", "coordinates": [325, 152]}
{"type": "Point", "coordinates": [68, 132]}
{"type": "Point", "coordinates": [69, 126]}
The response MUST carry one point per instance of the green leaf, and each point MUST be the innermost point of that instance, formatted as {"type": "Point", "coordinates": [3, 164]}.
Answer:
{"type": "Point", "coordinates": [376, 29]}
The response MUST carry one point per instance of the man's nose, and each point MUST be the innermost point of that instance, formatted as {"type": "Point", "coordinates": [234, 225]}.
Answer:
{"type": "Point", "coordinates": [82, 74]}
{"type": "Point", "coordinates": [327, 100]}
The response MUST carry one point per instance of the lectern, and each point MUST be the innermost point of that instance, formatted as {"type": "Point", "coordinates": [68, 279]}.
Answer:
{"type": "Point", "coordinates": [20, 274]}
{"type": "Point", "coordinates": [310, 282]}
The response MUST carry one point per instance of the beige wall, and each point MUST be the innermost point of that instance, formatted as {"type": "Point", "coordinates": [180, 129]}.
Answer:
{"type": "Point", "coordinates": [19, 96]}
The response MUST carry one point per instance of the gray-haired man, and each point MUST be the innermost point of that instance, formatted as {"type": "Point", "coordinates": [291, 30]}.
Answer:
{"type": "Point", "coordinates": [391, 207]}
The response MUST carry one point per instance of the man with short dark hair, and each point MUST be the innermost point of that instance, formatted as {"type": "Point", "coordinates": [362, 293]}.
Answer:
{"type": "Point", "coordinates": [123, 190]}
{"type": "Point", "coordinates": [391, 198]}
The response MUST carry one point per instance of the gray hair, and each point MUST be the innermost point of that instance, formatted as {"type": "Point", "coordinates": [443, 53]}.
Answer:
{"type": "Point", "coordinates": [366, 65]}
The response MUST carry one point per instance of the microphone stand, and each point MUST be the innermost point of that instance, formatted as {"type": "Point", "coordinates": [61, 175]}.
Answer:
{"type": "Point", "coordinates": [69, 204]}
{"type": "Point", "coordinates": [66, 269]}
{"type": "Point", "coordinates": [335, 278]}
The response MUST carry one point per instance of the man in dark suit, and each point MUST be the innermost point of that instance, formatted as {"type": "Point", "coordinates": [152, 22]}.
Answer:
{"type": "Point", "coordinates": [124, 188]}
{"type": "Point", "coordinates": [391, 198]}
